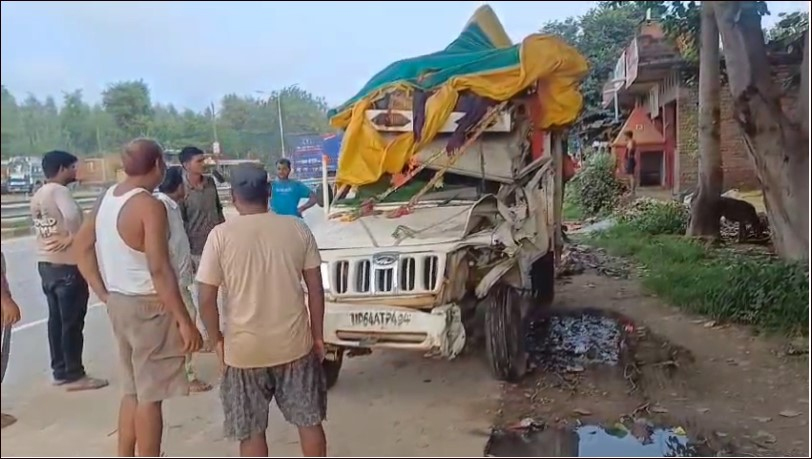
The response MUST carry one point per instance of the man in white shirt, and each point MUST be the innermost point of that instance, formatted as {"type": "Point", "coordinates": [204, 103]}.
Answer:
{"type": "Point", "coordinates": [57, 218]}
{"type": "Point", "coordinates": [171, 192]}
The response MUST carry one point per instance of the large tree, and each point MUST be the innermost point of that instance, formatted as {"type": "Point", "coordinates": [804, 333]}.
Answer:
{"type": "Point", "coordinates": [705, 212]}
{"type": "Point", "coordinates": [777, 142]}
{"type": "Point", "coordinates": [130, 105]}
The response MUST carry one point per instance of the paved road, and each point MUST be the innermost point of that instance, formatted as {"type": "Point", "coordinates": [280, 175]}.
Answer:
{"type": "Point", "coordinates": [384, 404]}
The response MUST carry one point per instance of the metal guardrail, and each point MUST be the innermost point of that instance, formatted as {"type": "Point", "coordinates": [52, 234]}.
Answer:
{"type": "Point", "coordinates": [19, 211]}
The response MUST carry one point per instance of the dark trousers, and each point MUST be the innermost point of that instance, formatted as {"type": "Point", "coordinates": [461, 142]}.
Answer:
{"type": "Point", "coordinates": [67, 294]}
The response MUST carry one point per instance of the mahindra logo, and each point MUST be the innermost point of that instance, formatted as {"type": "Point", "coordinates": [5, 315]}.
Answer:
{"type": "Point", "coordinates": [384, 259]}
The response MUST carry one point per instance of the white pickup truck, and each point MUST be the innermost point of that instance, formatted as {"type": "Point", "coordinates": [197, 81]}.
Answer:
{"type": "Point", "coordinates": [468, 263]}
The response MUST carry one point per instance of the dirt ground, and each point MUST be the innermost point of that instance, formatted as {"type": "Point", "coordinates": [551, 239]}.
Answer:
{"type": "Point", "coordinates": [731, 391]}
{"type": "Point", "coordinates": [385, 404]}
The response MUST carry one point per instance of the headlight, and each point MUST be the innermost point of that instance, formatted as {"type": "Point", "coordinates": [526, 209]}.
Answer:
{"type": "Point", "coordinates": [325, 276]}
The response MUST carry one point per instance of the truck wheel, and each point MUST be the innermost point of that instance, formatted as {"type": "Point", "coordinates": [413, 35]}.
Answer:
{"type": "Point", "coordinates": [504, 334]}
{"type": "Point", "coordinates": [542, 276]}
{"type": "Point", "coordinates": [320, 195]}
{"type": "Point", "coordinates": [332, 368]}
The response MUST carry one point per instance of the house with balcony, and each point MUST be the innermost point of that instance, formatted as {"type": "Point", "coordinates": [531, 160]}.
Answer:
{"type": "Point", "coordinates": [649, 83]}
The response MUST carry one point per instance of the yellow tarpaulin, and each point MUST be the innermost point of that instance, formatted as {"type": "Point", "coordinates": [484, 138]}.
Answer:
{"type": "Point", "coordinates": [480, 60]}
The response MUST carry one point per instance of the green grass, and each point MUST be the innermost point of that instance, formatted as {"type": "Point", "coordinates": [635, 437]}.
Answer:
{"type": "Point", "coordinates": [769, 294]}
{"type": "Point", "coordinates": [572, 211]}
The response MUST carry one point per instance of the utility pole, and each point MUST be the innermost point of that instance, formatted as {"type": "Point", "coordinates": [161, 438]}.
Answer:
{"type": "Point", "coordinates": [281, 125]}
{"type": "Point", "coordinates": [216, 145]}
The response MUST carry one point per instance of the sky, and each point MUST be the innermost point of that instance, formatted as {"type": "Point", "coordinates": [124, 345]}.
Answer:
{"type": "Point", "coordinates": [192, 53]}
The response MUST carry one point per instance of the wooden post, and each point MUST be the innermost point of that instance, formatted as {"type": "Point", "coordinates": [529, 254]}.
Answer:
{"type": "Point", "coordinates": [558, 193]}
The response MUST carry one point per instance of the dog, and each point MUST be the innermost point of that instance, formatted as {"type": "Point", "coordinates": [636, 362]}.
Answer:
{"type": "Point", "coordinates": [743, 213]}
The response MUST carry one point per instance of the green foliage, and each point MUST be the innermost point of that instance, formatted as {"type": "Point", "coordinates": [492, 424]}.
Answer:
{"type": "Point", "coordinates": [600, 35]}
{"type": "Point", "coordinates": [761, 291]}
{"type": "Point", "coordinates": [595, 188]}
{"type": "Point", "coordinates": [653, 216]}
{"type": "Point", "coordinates": [788, 33]}
{"type": "Point", "coordinates": [245, 126]}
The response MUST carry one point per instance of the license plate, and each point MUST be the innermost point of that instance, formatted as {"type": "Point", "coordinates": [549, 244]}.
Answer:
{"type": "Point", "coordinates": [380, 319]}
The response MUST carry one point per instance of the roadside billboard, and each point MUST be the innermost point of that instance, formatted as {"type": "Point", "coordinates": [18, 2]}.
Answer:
{"type": "Point", "coordinates": [306, 153]}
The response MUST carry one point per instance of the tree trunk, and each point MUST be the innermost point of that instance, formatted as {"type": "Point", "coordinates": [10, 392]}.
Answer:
{"type": "Point", "coordinates": [705, 211]}
{"type": "Point", "coordinates": [777, 145]}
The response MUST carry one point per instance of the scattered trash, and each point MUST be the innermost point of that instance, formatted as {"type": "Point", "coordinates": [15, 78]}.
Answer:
{"type": "Point", "coordinates": [763, 419]}
{"type": "Point", "coordinates": [582, 411]}
{"type": "Point", "coordinates": [565, 342]}
{"type": "Point", "coordinates": [789, 414]}
{"type": "Point", "coordinates": [703, 410]}
{"type": "Point", "coordinates": [710, 324]}
{"type": "Point", "coordinates": [658, 409]}
{"type": "Point", "coordinates": [526, 424]}
{"type": "Point", "coordinates": [576, 259]}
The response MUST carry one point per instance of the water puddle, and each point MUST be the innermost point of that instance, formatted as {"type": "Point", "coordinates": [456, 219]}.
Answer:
{"type": "Point", "coordinates": [639, 439]}
{"type": "Point", "coordinates": [573, 341]}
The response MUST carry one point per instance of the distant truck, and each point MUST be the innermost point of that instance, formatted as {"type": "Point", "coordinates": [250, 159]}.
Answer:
{"type": "Point", "coordinates": [24, 174]}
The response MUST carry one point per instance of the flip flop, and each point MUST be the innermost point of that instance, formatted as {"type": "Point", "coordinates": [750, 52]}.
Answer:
{"type": "Point", "coordinates": [86, 383]}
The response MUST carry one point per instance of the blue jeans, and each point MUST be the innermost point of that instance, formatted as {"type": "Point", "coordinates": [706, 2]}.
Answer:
{"type": "Point", "coordinates": [67, 294]}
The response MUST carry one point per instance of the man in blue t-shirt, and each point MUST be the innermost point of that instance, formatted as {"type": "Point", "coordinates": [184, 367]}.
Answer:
{"type": "Point", "coordinates": [286, 193]}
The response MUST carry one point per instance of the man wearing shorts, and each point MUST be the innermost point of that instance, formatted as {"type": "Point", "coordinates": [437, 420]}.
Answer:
{"type": "Point", "coordinates": [273, 345]}
{"type": "Point", "coordinates": [123, 253]}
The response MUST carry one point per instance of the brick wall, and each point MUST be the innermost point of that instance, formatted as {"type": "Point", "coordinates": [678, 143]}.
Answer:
{"type": "Point", "coordinates": [738, 168]}
{"type": "Point", "coordinates": [687, 151]}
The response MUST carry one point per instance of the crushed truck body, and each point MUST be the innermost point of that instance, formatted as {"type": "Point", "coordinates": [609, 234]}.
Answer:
{"type": "Point", "coordinates": [441, 229]}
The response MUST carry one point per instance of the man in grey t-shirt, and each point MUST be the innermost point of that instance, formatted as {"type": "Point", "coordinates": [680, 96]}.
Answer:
{"type": "Point", "coordinates": [201, 208]}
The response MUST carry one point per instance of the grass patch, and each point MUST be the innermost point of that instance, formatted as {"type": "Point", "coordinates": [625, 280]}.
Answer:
{"type": "Point", "coordinates": [572, 211]}
{"type": "Point", "coordinates": [767, 293]}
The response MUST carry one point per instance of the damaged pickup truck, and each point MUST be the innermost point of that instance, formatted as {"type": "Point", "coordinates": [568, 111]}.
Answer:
{"type": "Point", "coordinates": [441, 230]}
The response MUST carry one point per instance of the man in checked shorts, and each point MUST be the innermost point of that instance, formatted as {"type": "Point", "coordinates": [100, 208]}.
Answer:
{"type": "Point", "coordinates": [273, 345]}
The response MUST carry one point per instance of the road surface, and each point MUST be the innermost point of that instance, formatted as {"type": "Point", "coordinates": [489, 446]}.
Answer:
{"type": "Point", "coordinates": [386, 404]}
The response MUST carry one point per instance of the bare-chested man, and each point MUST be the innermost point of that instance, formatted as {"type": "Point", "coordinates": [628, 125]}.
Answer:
{"type": "Point", "coordinates": [124, 255]}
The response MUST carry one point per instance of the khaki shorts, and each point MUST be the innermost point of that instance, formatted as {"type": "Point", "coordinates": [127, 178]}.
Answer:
{"type": "Point", "coordinates": [150, 348]}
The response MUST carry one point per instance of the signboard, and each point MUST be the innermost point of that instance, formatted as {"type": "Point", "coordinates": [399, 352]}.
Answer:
{"type": "Point", "coordinates": [307, 151]}
{"type": "Point", "coordinates": [632, 59]}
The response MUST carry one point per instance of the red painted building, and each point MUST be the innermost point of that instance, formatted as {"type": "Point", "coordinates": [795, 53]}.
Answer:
{"type": "Point", "coordinates": [648, 79]}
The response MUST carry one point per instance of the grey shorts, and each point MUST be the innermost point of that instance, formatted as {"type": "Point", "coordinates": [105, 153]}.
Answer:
{"type": "Point", "coordinates": [299, 388]}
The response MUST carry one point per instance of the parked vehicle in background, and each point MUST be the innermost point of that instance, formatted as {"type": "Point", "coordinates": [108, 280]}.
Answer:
{"type": "Point", "coordinates": [24, 174]}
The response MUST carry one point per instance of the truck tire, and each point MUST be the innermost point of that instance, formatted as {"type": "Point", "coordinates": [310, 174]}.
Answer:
{"type": "Point", "coordinates": [320, 195]}
{"type": "Point", "coordinates": [504, 334]}
{"type": "Point", "coordinates": [542, 277]}
{"type": "Point", "coordinates": [332, 368]}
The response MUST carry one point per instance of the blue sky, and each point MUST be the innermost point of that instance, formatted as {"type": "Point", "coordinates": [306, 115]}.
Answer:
{"type": "Point", "coordinates": [191, 53]}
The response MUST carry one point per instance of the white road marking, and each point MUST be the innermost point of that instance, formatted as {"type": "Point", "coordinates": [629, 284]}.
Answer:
{"type": "Point", "coordinates": [35, 323]}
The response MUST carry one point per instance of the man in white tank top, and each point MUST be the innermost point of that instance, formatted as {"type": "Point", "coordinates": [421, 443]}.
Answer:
{"type": "Point", "coordinates": [122, 251]}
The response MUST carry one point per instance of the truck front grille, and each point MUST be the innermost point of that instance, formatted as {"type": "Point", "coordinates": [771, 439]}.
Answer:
{"type": "Point", "coordinates": [400, 274]}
